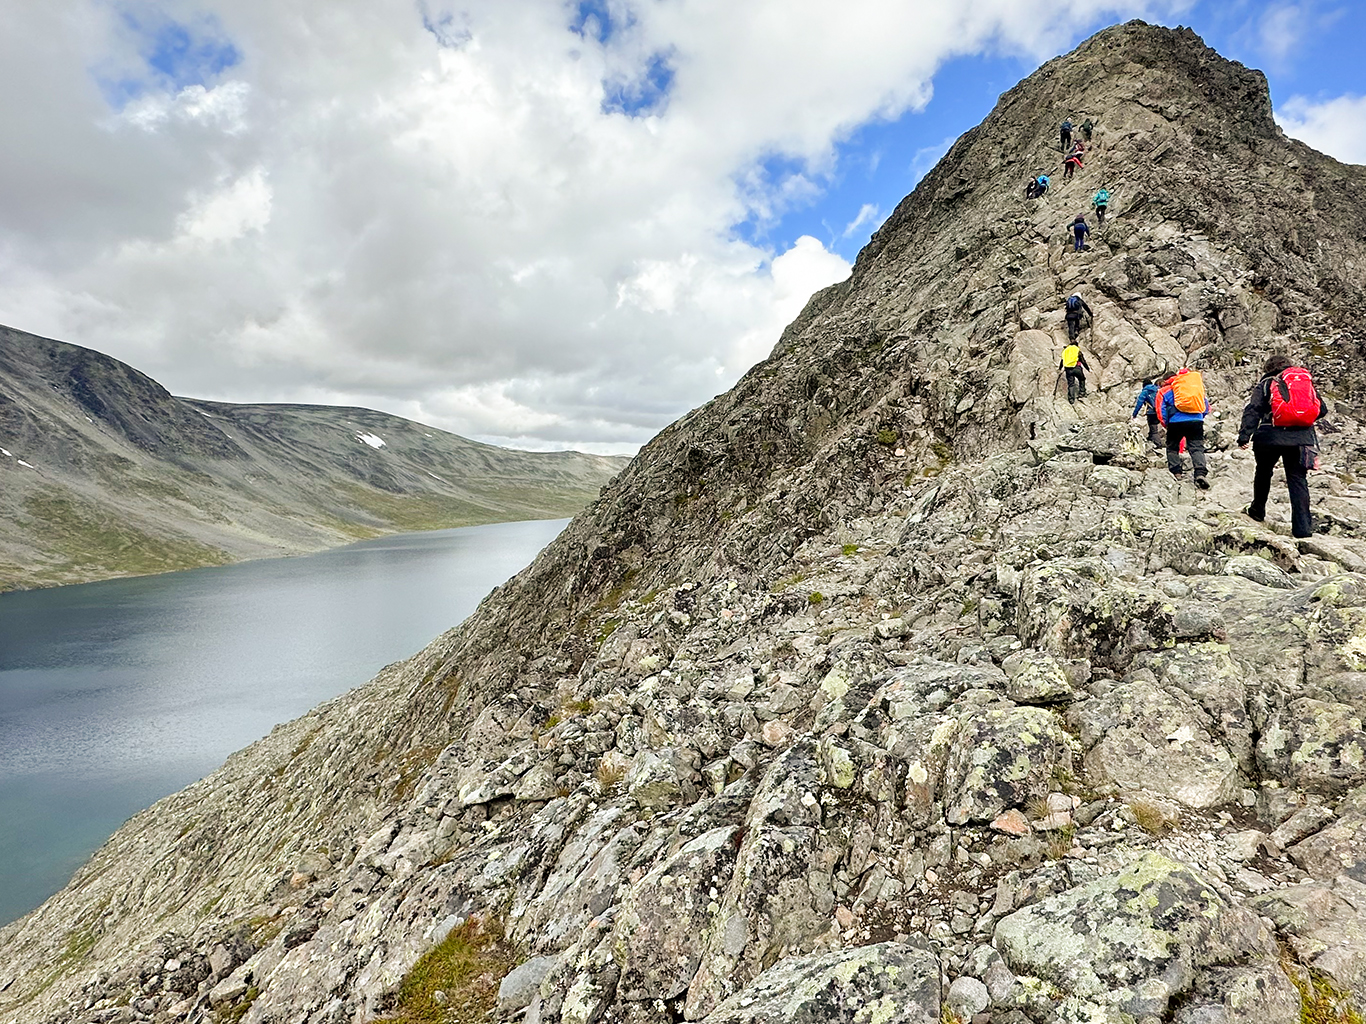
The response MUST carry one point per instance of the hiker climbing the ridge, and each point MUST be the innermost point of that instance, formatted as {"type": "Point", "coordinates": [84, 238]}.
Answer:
{"type": "Point", "coordinates": [1147, 400]}
{"type": "Point", "coordinates": [1182, 406]}
{"type": "Point", "coordinates": [1076, 306]}
{"type": "Point", "coordinates": [1279, 420]}
{"type": "Point", "coordinates": [1080, 229]}
{"type": "Point", "coordinates": [1087, 127]}
{"type": "Point", "coordinates": [1066, 134]}
{"type": "Point", "coordinates": [1073, 363]}
{"type": "Point", "coordinates": [1072, 162]}
{"type": "Point", "coordinates": [1101, 202]}
{"type": "Point", "coordinates": [1036, 186]}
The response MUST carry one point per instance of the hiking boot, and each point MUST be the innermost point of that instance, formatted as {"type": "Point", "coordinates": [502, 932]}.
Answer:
{"type": "Point", "coordinates": [1256, 519]}
{"type": "Point", "coordinates": [1202, 483]}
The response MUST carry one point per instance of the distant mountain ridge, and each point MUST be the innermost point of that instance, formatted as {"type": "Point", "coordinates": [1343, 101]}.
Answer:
{"type": "Point", "coordinates": [105, 473]}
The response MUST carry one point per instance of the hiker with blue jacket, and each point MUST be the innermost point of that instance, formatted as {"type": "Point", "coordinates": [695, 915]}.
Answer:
{"type": "Point", "coordinates": [1182, 407]}
{"type": "Point", "coordinates": [1080, 229]}
{"type": "Point", "coordinates": [1147, 398]}
{"type": "Point", "coordinates": [1279, 420]}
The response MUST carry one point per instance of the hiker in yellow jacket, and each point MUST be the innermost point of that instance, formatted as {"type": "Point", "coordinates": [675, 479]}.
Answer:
{"type": "Point", "coordinates": [1073, 363]}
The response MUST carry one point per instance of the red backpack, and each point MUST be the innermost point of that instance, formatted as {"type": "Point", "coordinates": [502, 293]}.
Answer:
{"type": "Point", "coordinates": [1161, 399]}
{"type": "Point", "coordinates": [1293, 401]}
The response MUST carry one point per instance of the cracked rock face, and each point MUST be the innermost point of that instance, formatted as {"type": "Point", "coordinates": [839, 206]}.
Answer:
{"type": "Point", "coordinates": [886, 680]}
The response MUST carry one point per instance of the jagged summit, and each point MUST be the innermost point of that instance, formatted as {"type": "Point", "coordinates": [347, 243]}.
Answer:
{"type": "Point", "coordinates": [885, 684]}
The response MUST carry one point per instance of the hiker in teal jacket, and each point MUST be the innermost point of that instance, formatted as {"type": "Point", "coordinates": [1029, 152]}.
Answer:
{"type": "Point", "coordinates": [1101, 201]}
{"type": "Point", "coordinates": [1148, 397]}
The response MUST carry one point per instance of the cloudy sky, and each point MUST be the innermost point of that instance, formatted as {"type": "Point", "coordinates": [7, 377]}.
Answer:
{"type": "Point", "coordinates": [545, 223]}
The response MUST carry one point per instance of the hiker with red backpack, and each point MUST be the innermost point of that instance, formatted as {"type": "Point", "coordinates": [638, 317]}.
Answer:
{"type": "Point", "coordinates": [1279, 421]}
{"type": "Point", "coordinates": [1181, 406]}
{"type": "Point", "coordinates": [1072, 162]}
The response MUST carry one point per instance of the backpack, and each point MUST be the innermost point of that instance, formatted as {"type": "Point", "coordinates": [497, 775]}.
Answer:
{"type": "Point", "coordinates": [1070, 356]}
{"type": "Point", "coordinates": [1293, 401]}
{"type": "Point", "coordinates": [1102, 198]}
{"type": "Point", "coordinates": [1160, 402]}
{"type": "Point", "coordinates": [1073, 303]}
{"type": "Point", "coordinates": [1188, 392]}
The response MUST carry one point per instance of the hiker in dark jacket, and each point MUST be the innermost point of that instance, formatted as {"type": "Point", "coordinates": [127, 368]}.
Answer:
{"type": "Point", "coordinates": [1066, 134]}
{"type": "Point", "coordinates": [1271, 444]}
{"type": "Point", "coordinates": [1087, 127]}
{"type": "Point", "coordinates": [1080, 229]}
{"type": "Point", "coordinates": [1148, 398]}
{"type": "Point", "coordinates": [1076, 305]}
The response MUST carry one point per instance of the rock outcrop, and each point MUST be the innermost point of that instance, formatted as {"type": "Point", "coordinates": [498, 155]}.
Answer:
{"type": "Point", "coordinates": [885, 686]}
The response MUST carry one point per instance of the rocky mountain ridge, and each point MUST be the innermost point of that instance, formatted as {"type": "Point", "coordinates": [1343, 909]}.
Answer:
{"type": "Point", "coordinates": [104, 473]}
{"type": "Point", "coordinates": [887, 686]}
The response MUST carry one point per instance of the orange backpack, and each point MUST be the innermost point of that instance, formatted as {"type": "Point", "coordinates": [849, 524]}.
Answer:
{"type": "Point", "coordinates": [1188, 392]}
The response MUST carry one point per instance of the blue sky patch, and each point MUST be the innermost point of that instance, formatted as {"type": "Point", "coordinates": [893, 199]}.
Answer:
{"type": "Point", "coordinates": [1307, 48]}
{"type": "Point", "coordinates": [175, 56]}
{"type": "Point", "coordinates": [450, 32]}
{"type": "Point", "coordinates": [646, 94]}
{"type": "Point", "coordinates": [594, 19]}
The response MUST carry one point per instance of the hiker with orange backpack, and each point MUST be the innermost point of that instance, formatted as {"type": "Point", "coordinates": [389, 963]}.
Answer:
{"type": "Point", "coordinates": [1182, 406]}
{"type": "Point", "coordinates": [1279, 421]}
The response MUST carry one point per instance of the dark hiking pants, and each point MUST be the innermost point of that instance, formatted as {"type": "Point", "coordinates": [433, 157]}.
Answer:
{"type": "Point", "coordinates": [1194, 433]}
{"type": "Point", "coordinates": [1081, 241]}
{"type": "Point", "coordinates": [1066, 140]}
{"type": "Point", "coordinates": [1076, 383]}
{"type": "Point", "coordinates": [1154, 430]}
{"type": "Point", "coordinates": [1100, 215]}
{"type": "Point", "coordinates": [1296, 479]}
{"type": "Point", "coordinates": [1073, 326]}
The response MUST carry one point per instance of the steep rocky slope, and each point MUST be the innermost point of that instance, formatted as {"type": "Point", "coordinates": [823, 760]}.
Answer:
{"type": "Point", "coordinates": [103, 473]}
{"type": "Point", "coordinates": [882, 687]}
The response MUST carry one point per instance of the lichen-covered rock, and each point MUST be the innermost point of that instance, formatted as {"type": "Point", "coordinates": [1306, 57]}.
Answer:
{"type": "Point", "coordinates": [1315, 745]}
{"type": "Point", "coordinates": [659, 932]}
{"type": "Point", "coordinates": [1259, 570]}
{"type": "Point", "coordinates": [1325, 925]}
{"type": "Point", "coordinates": [1000, 759]}
{"type": "Point", "coordinates": [1133, 940]}
{"type": "Point", "coordinates": [1034, 677]}
{"type": "Point", "coordinates": [886, 983]}
{"type": "Point", "coordinates": [1142, 738]}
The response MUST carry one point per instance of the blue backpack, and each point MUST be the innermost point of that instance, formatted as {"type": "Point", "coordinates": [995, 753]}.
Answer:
{"type": "Point", "coordinates": [1073, 303]}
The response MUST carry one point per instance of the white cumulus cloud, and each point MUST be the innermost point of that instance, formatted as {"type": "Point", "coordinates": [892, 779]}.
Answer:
{"type": "Point", "coordinates": [512, 220]}
{"type": "Point", "coordinates": [1336, 126]}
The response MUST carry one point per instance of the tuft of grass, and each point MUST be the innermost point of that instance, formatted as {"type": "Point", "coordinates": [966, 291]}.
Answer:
{"type": "Point", "coordinates": [888, 437]}
{"type": "Point", "coordinates": [609, 774]}
{"type": "Point", "coordinates": [850, 549]}
{"type": "Point", "coordinates": [1321, 1002]}
{"type": "Point", "coordinates": [234, 1013]}
{"type": "Point", "coordinates": [456, 982]}
{"type": "Point", "coordinates": [815, 597]}
{"type": "Point", "coordinates": [1062, 841]}
{"type": "Point", "coordinates": [1153, 819]}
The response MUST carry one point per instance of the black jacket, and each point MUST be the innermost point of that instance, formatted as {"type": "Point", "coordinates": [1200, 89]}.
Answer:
{"type": "Point", "coordinates": [1256, 425]}
{"type": "Point", "coordinates": [1075, 314]}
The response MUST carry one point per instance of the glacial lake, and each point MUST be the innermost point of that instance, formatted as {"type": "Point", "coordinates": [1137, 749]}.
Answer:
{"type": "Point", "coordinates": [114, 694]}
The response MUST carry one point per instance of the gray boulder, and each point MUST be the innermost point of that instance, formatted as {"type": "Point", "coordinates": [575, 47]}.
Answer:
{"type": "Point", "coordinates": [1133, 940]}
{"type": "Point", "coordinates": [886, 983]}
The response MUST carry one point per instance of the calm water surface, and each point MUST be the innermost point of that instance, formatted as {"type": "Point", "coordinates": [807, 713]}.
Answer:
{"type": "Point", "coordinates": [114, 694]}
